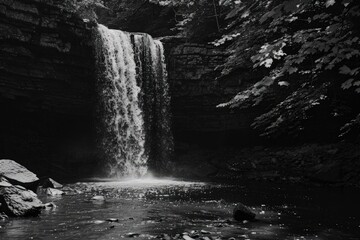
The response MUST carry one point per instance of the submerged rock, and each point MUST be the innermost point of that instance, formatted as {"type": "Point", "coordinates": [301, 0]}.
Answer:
{"type": "Point", "coordinates": [17, 174]}
{"type": "Point", "coordinates": [18, 202]}
{"type": "Point", "coordinates": [242, 213]}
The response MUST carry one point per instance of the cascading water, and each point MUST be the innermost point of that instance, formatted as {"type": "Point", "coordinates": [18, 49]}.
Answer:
{"type": "Point", "coordinates": [134, 102]}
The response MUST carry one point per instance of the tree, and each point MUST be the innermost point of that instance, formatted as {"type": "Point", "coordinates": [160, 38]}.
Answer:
{"type": "Point", "coordinates": [86, 9]}
{"type": "Point", "coordinates": [310, 52]}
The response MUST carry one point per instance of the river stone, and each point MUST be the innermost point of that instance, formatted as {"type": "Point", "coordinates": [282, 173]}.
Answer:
{"type": "Point", "coordinates": [3, 216]}
{"type": "Point", "coordinates": [98, 198]}
{"type": "Point", "coordinates": [186, 237]}
{"type": "Point", "coordinates": [242, 213]}
{"type": "Point", "coordinates": [50, 205]}
{"type": "Point", "coordinates": [54, 192]}
{"type": "Point", "coordinates": [131, 235]}
{"type": "Point", "coordinates": [112, 220]}
{"type": "Point", "coordinates": [19, 203]}
{"type": "Point", "coordinates": [16, 173]}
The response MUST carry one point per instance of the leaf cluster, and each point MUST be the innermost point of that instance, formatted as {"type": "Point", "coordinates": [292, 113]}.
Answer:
{"type": "Point", "coordinates": [86, 9]}
{"type": "Point", "coordinates": [308, 47]}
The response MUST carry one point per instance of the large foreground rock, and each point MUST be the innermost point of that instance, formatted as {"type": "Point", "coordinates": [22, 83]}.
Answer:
{"type": "Point", "coordinates": [16, 201]}
{"type": "Point", "coordinates": [17, 174]}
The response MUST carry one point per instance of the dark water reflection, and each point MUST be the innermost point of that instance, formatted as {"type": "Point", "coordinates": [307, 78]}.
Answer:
{"type": "Point", "coordinates": [153, 208]}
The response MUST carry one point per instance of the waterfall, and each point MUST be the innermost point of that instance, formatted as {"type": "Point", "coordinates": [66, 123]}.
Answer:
{"type": "Point", "coordinates": [133, 102]}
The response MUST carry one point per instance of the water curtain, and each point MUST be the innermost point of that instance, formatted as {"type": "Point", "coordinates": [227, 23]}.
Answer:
{"type": "Point", "coordinates": [133, 103]}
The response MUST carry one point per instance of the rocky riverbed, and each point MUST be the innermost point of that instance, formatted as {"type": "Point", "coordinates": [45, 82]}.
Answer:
{"type": "Point", "coordinates": [169, 209]}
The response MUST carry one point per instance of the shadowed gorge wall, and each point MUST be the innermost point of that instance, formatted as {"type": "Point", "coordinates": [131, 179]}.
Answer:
{"type": "Point", "coordinates": [46, 88]}
{"type": "Point", "coordinates": [196, 91]}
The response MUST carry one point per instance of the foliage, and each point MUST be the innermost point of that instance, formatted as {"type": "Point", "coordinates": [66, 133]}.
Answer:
{"type": "Point", "coordinates": [351, 129]}
{"type": "Point", "coordinates": [199, 20]}
{"type": "Point", "coordinates": [138, 16]}
{"type": "Point", "coordinates": [83, 8]}
{"type": "Point", "coordinates": [310, 48]}
{"type": "Point", "coordinates": [308, 52]}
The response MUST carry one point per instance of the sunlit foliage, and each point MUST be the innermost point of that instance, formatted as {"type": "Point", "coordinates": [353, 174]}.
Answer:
{"type": "Point", "coordinates": [84, 8]}
{"type": "Point", "coordinates": [311, 50]}
{"type": "Point", "coordinates": [308, 52]}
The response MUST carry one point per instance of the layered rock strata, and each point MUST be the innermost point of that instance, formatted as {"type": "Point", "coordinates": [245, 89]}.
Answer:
{"type": "Point", "coordinates": [46, 86]}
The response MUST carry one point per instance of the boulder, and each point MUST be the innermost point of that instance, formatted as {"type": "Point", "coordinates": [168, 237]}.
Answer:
{"type": "Point", "coordinates": [242, 213]}
{"type": "Point", "coordinates": [50, 183]}
{"type": "Point", "coordinates": [41, 191]}
{"type": "Point", "coordinates": [54, 192]}
{"type": "Point", "coordinates": [17, 202]}
{"type": "Point", "coordinates": [17, 174]}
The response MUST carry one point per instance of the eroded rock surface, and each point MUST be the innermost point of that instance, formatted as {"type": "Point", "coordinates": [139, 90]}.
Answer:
{"type": "Point", "coordinates": [50, 183]}
{"type": "Point", "coordinates": [16, 173]}
{"type": "Point", "coordinates": [46, 87]}
{"type": "Point", "coordinates": [19, 202]}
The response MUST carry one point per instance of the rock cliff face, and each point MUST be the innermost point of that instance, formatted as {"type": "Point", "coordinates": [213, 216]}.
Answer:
{"type": "Point", "coordinates": [196, 91]}
{"type": "Point", "coordinates": [46, 87]}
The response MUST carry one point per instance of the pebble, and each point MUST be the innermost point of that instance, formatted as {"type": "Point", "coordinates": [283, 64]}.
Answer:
{"type": "Point", "coordinates": [99, 221]}
{"type": "Point", "coordinates": [132, 235]}
{"type": "Point", "coordinates": [49, 205]}
{"type": "Point", "coordinates": [3, 216]}
{"type": "Point", "coordinates": [98, 198]}
{"type": "Point", "coordinates": [166, 237]}
{"type": "Point", "coordinates": [112, 220]}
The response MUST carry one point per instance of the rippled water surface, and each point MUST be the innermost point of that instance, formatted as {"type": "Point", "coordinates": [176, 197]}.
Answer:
{"type": "Point", "coordinates": [166, 209]}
